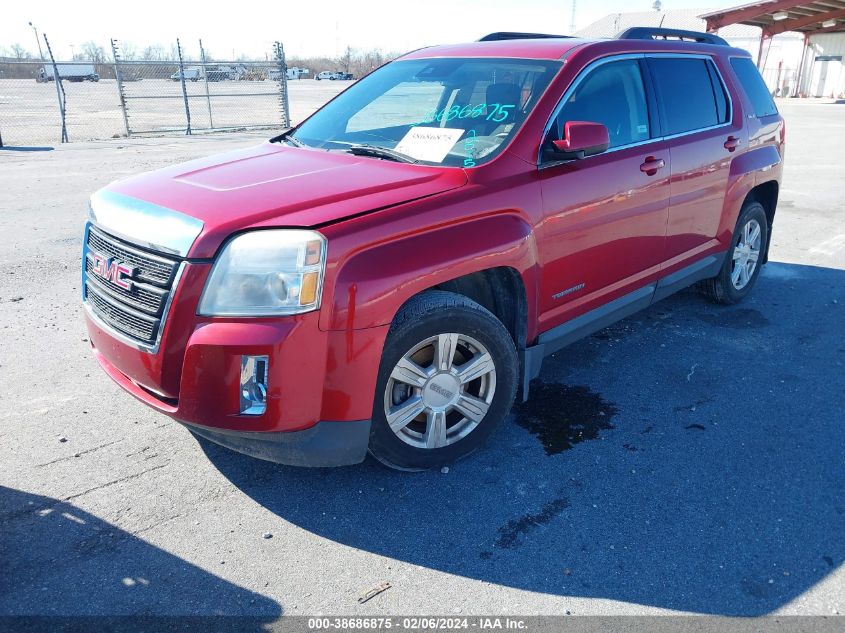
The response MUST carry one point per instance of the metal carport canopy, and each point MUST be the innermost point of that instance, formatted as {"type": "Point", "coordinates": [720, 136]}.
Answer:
{"type": "Point", "coordinates": [779, 16]}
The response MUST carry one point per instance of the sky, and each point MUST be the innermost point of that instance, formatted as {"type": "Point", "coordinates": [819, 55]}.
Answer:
{"type": "Point", "coordinates": [321, 27]}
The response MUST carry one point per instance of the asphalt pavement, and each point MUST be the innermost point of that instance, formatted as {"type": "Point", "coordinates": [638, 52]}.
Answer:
{"type": "Point", "coordinates": [690, 459]}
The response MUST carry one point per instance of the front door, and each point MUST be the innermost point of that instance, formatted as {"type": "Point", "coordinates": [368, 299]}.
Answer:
{"type": "Point", "coordinates": [604, 228]}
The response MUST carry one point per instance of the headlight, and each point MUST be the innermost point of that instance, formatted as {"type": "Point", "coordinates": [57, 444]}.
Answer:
{"type": "Point", "coordinates": [267, 273]}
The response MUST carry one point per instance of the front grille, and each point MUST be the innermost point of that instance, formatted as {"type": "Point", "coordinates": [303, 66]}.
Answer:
{"type": "Point", "coordinates": [152, 267]}
{"type": "Point", "coordinates": [139, 311]}
{"type": "Point", "coordinates": [144, 297]}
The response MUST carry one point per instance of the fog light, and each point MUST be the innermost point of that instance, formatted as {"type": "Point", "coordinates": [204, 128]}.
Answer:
{"type": "Point", "coordinates": [253, 387]}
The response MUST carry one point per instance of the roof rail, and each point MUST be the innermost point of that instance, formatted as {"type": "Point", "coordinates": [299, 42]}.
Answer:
{"type": "Point", "coordinates": [653, 33]}
{"type": "Point", "coordinates": [511, 35]}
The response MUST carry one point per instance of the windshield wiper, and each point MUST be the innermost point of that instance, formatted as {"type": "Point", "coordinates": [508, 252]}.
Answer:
{"type": "Point", "coordinates": [381, 152]}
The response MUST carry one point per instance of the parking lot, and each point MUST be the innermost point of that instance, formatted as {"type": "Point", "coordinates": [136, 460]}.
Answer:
{"type": "Point", "coordinates": [29, 113]}
{"type": "Point", "coordinates": [687, 460]}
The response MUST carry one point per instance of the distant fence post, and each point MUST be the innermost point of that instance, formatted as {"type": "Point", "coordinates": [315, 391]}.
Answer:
{"type": "Point", "coordinates": [283, 83]}
{"type": "Point", "coordinates": [121, 95]}
{"type": "Point", "coordinates": [60, 89]}
{"type": "Point", "coordinates": [184, 87]}
{"type": "Point", "coordinates": [207, 94]}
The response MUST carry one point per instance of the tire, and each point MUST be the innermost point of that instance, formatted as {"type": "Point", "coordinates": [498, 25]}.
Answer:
{"type": "Point", "coordinates": [733, 283]}
{"type": "Point", "coordinates": [444, 429]}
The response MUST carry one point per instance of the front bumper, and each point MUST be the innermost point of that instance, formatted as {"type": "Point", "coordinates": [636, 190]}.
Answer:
{"type": "Point", "coordinates": [320, 383]}
{"type": "Point", "coordinates": [324, 444]}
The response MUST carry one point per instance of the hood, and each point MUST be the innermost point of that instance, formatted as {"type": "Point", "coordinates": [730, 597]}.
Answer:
{"type": "Point", "coordinates": [279, 185]}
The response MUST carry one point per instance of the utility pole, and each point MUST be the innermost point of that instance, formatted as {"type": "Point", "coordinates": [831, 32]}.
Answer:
{"type": "Point", "coordinates": [572, 21]}
{"type": "Point", "coordinates": [37, 41]}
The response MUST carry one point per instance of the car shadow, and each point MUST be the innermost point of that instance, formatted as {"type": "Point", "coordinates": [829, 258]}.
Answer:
{"type": "Point", "coordinates": [9, 148]}
{"type": "Point", "coordinates": [689, 458]}
{"type": "Point", "coordinates": [58, 560]}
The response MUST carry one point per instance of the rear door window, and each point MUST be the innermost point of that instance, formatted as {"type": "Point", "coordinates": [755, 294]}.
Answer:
{"type": "Point", "coordinates": [691, 95]}
{"type": "Point", "coordinates": [754, 86]}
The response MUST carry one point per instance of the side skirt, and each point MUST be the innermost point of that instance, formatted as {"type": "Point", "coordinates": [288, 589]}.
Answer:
{"type": "Point", "coordinates": [582, 326]}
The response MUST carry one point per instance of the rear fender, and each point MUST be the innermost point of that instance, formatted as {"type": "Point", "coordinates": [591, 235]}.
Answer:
{"type": "Point", "coordinates": [747, 171]}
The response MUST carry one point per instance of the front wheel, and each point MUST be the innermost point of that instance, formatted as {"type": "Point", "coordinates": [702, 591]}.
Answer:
{"type": "Point", "coordinates": [744, 260]}
{"type": "Point", "coordinates": [447, 378]}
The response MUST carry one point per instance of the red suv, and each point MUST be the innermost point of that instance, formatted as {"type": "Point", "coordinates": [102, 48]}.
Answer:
{"type": "Point", "coordinates": [389, 274]}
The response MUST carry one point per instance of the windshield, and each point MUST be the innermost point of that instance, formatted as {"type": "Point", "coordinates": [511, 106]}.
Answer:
{"type": "Point", "coordinates": [454, 111]}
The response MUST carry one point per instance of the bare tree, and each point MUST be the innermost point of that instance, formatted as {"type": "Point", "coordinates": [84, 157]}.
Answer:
{"type": "Point", "coordinates": [345, 61]}
{"type": "Point", "coordinates": [357, 62]}
{"type": "Point", "coordinates": [19, 52]}
{"type": "Point", "coordinates": [128, 50]}
{"type": "Point", "coordinates": [153, 53]}
{"type": "Point", "coordinates": [93, 52]}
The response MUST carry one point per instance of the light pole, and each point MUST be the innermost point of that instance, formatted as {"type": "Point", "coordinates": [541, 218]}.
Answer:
{"type": "Point", "coordinates": [37, 41]}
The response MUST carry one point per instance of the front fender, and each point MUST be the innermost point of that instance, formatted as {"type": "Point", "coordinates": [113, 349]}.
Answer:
{"type": "Point", "coordinates": [372, 284]}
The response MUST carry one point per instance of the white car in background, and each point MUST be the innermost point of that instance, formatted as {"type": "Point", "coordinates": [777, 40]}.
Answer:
{"type": "Point", "coordinates": [191, 74]}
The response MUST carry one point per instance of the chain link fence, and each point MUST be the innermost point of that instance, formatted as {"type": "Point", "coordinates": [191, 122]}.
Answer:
{"type": "Point", "coordinates": [126, 98]}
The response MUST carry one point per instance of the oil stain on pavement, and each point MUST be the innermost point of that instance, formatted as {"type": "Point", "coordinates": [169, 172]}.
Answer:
{"type": "Point", "coordinates": [737, 319]}
{"type": "Point", "coordinates": [510, 533]}
{"type": "Point", "coordinates": [562, 416]}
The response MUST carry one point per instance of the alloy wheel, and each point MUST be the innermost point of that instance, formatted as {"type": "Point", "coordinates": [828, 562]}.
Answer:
{"type": "Point", "coordinates": [440, 391]}
{"type": "Point", "coordinates": [746, 254]}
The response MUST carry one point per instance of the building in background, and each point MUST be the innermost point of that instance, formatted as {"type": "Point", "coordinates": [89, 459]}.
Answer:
{"type": "Point", "coordinates": [779, 56]}
{"type": "Point", "coordinates": [821, 24]}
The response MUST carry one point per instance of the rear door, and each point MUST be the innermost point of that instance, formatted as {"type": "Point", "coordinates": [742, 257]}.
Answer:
{"type": "Point", "coordinates": [696, 117]}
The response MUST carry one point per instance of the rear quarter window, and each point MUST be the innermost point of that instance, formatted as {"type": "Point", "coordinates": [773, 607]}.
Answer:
{"type": "Point", "coordinates": [754, 86]}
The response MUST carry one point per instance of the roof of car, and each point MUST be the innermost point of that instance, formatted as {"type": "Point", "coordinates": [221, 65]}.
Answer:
{"type": "Point", "coordinates": [556, 48]}
{"type": "Point", "coordinates": [546, 48]}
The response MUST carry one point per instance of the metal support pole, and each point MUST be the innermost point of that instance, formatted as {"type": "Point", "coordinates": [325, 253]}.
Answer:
{"type": "Point", "coordinates": [60, 89]}
{"type": "Point", "coordinates": [283, 83]}
{"type": "Point", "coordinates": [184, 87]}
{"type": "Point", "coordinates": [765, 36]}
{"type": "Point", "coordinates": [37, 41]}
{"type": "Point", "coordinates": [800, 79]}
{"type": "Point", "coordinates": [207, 94]}
{"type": "Point", "coordinates": [120, 92]}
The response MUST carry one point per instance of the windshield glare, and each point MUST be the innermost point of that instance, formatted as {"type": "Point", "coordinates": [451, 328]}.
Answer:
{"type": "Point", "coordinates": [454, 111]}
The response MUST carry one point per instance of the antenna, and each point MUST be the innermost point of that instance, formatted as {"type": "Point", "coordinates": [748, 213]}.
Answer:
{"type": "Point", "coordinates": [572, 20]}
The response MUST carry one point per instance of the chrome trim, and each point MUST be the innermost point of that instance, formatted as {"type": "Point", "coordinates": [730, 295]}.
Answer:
{"type": "Point", "coordinates": [144, 223]}
{"type": "Point", "coordinates": [114, 332]}
{"type": "Point", "coordinates": [614, 58]}
{"type": "Point", "coordinates": [251, 377]}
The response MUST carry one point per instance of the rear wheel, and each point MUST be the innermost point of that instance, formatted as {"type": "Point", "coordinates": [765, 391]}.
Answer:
{"type": "Point", "coordinates": [744, 260]}
{"type": "Point", "coordinates": [447, 379]}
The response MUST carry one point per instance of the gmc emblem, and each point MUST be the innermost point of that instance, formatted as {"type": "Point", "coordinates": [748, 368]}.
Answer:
{"type": "Point", "coordinates": [113, 271]}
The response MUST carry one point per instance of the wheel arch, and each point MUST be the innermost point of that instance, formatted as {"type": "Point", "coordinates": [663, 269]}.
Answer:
{"type": "Point", "coordinates": [501, 290]}
{"type": "Point", "coordinates": [766, 193]}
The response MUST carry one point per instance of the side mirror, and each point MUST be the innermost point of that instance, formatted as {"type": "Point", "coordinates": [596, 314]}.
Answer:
{"type": "Point", "coordinates": [580, 139]}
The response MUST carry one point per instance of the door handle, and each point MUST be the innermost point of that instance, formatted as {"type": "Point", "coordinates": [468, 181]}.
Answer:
{"type": "Point", "coordinates": [651, 165]}
{"type": "Point", "coordinates": [732, 143]}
